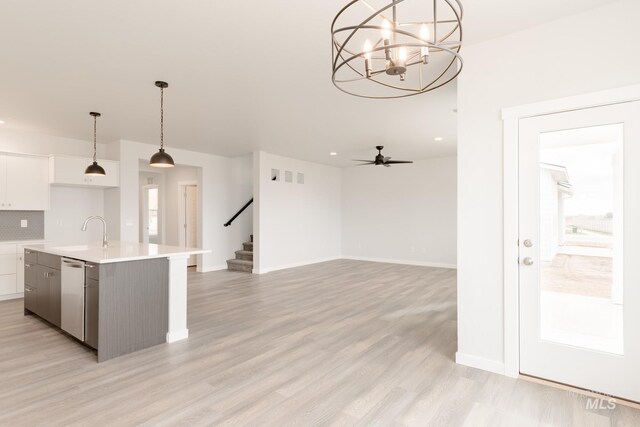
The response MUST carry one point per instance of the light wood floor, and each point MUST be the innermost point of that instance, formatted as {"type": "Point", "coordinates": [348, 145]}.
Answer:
{"type": "Point", "coordinates": [338, 343]}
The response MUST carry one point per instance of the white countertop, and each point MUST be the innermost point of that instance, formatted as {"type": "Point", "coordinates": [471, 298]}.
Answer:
{"type": "Point", "coordinates": [116, 252]}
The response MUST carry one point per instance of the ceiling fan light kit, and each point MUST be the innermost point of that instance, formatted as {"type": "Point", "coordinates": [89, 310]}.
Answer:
{"type": "Point", "coordinates": [161, 159]}
{"type": "Point", "coordinates": [404, 48]}
{"type": "Point", "coordinates": [94, 169]}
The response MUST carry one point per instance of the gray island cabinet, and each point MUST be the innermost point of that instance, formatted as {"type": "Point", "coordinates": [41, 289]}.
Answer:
{"type": "Point", "coordinates": [114, 300]}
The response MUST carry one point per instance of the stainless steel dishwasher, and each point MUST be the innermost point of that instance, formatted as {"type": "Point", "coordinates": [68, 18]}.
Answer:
{"type": "Point", "coordinates": [72, 299]}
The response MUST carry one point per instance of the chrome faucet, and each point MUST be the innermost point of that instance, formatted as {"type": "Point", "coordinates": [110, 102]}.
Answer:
{"type": "Point", "coordinates": [105, 240]}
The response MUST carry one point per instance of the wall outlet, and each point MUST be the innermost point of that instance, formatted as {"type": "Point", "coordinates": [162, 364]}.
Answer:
{"type": "Point", "coordinates": [24, 223]}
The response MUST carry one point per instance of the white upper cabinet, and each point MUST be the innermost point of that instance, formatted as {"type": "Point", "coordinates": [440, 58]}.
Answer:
{"type": "Point", "coordinates": [24, 183]}
{"type": "Point", "coordinates": [64, 170]}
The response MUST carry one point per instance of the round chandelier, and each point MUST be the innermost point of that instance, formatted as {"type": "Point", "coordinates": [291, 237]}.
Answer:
{"type": "Point", "coordinates": [396, 49]}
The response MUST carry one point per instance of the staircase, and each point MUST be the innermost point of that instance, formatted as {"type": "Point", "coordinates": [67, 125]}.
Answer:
{"type": "Point", "coordinates": [244, 258]}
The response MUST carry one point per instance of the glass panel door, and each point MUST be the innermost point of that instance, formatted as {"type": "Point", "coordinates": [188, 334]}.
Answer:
{"type": "Point", "coordinates": [579, 246]}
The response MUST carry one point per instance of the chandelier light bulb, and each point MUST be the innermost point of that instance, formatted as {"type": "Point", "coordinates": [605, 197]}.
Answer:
{"type": "Point", "coordinates": [367, 50]}
{"type": "Point", "coordinates": [424, 33]}
{"type": "Point", "coordinates": [424, 50]}
{"type": "Point", "coordinates": [402, 54]}
{"type": "Point", "coordinates": [386, 29]}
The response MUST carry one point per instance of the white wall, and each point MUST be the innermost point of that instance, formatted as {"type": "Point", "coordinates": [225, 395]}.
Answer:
{"type": "Point", "coordinates": [297, 223]}
{"type": "Point", "coordinates": [405, 213]}
{"type": "Point", "coordinates": [35, 143]}
{"type": "Point", "coordinates": [69, 208]}
{"type": "Point", "coordinates": [587, 52]}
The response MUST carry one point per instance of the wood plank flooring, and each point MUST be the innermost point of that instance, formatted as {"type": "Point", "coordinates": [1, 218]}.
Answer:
{"type": "Point", "coordinates": [344, 343]}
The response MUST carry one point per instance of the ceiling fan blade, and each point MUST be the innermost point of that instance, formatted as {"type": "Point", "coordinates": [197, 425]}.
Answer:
{"type": "Point", "coordinates": [393, 162]}
{"type": "Point", "coordinates": [358, 160]}
{"type": "Point", "coordinates": [367, 164]}
{"type": "Point", "coordinates": [386, 159]}
{"type": "Point", "coordinates": [386, 165]}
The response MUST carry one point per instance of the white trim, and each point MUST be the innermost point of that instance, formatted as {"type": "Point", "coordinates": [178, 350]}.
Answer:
{"type": "Point", "coordinates": [177, 335]}
{"type": "Point", "coordinates": [511, 265]}
{"type": "Point", "coordinates": [577, 102]}
{"type": "Point", "coordinates": [511, 117]}
{"type": "Point", "coordinates": [480, 363]}
{"type": "Point", "coordinates": [403, 262]}
{"type": "Point", "coordinates": [213, 268]}
{"type": "Point", "coordinates": [295, 264]}
{"type": "Point", "coordinates": [11, 296]}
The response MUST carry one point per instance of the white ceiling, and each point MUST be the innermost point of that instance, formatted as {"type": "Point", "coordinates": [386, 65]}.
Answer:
{"type": "Point", "coordinates": [243, 75]}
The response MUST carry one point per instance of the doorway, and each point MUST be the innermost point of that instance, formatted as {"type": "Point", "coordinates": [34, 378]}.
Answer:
{"type": "Point", "coordinates": [150, 214]}
{"type": "Point", "coordinates": [188, 218]}
{"type": "Point", "coordinates": [578, 204]}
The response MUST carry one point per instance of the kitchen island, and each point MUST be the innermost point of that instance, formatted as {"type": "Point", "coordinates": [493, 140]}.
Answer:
{"type": "Point", "coordinates": [116, 299]}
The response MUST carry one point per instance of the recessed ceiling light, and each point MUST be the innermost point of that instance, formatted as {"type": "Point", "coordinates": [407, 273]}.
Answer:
{"type": "Point", "coordinates": [1, 122]}
{"type": "Point", "coordinates": [438, 139]}
{"type": "Point", "coordinates": [333, 154]}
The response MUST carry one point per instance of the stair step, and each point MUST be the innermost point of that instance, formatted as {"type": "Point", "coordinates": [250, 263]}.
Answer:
{"type": "Point", "coordinates": [240, 265]}
{"type": "Point", "coordinates": [244, 255]}
{"type": "Point", "coordinates": [248, 246]}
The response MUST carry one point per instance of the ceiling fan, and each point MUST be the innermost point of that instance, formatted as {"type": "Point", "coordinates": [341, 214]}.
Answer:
{"type": "Point", "coordinates": [381, 160]}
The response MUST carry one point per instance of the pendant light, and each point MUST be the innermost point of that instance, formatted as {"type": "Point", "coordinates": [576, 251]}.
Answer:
{"type": "Point", "coordinates": [161, 159]}
{"type": "Point", "coordinates": [94, 169]}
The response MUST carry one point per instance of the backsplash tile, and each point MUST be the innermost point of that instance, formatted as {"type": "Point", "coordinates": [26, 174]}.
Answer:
{"type": "Point", "coordinates": [10, 228]}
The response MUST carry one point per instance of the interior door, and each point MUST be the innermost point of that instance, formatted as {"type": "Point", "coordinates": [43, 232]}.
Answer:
{"type": "Point", "coordinates": [579, 245]}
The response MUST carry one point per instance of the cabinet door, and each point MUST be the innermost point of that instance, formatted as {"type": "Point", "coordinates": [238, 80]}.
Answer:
{"type": "Point", "coordinates": [19, 273]}
{"type": "Point", "coordinates": [42, 292]}
{"type": "Point", "coordinates": [7, 284]}
{"type": "Point", "coordinates": [91, 313]}
{"type": "Point", "coordinates": [55, 297]}
{"type": "Point", "coordinates": [27, 183]}
{"type": "Point", "coordinates": [70, 171]}
{"type": "Point", "coordinates": [31, 298]}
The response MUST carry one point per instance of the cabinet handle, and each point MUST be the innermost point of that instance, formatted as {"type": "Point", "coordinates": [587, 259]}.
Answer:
{"type": "Point", "coordinates": [28, 265]}
{"type": "Point", "coordinates": [27, 289]}
{"type": "Point", "coordinates": [27, 251]}
{"type": "Point", "coordinates": [89, 265]}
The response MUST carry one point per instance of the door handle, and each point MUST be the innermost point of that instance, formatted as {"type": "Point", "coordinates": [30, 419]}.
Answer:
{"type": "Point", "coordinates": [527, 261]}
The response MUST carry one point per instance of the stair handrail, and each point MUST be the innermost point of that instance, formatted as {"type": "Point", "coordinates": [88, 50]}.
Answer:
{"type": "Point", "coordinates": [228, 223]}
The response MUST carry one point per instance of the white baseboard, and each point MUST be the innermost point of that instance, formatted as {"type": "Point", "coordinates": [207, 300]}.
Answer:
{"type": "Point", "coordinates": [480, 363]}
{"type": "Point", "coordinates": [213, 268]}
{"type": "Point", "coordinates": [402, 261]}
{"type": "Point", "coordinates": [296, 264]}
{"type": "Point", "coordinates": [11, 296]}
{"type": "Point", "coordinates": [177, 335]}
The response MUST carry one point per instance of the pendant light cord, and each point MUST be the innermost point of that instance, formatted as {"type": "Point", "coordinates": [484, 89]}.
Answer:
{"type": "Point", "coordinates": [95, 146]}
{"type": "Point", "coordinates": [161, 118]}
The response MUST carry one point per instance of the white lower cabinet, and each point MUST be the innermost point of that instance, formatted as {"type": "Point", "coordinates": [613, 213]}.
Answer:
{"type": "Point", "coordinates": [12, 269]}
{"type": "Point", "coordinates": [7, 284]}
{"type": "Point", "coordinates": [20, 271]}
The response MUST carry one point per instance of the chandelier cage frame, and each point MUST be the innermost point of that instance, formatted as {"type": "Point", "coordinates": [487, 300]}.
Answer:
{"type": "Point", "coordinates": [342, 56]}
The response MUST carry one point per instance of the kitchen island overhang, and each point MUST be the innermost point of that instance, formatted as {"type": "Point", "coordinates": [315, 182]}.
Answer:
{"type": "Point", "coordinates": [128, 264]}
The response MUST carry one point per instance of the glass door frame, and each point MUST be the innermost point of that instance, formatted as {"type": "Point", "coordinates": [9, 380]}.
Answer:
{"type": "Point", "coordinates": [511, 265]}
